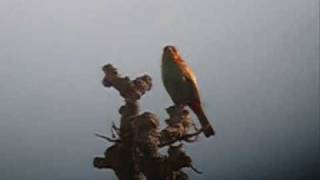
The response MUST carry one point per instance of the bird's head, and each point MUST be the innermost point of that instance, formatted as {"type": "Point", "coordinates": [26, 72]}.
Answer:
{"type": "Point", "coordinates": [170, 52]}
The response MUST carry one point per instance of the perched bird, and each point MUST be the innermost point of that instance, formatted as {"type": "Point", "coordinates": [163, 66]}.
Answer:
{"type": "Point", "coordinates": [181, 84]}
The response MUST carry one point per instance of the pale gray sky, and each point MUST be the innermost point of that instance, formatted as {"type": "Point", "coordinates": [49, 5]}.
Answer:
{"type": "Point", "coordinates": [257, 64]}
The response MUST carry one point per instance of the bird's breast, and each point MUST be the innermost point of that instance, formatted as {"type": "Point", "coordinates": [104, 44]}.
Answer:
{"type": "Point", "coordinates": [174, 81]}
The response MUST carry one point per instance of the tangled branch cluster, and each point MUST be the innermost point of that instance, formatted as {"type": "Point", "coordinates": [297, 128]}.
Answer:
{"type": "Point", "coordinates": [134, 154]}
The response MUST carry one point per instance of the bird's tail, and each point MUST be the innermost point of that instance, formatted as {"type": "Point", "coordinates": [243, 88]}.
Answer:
{"type": "Point", "coordinates": [206, 126]}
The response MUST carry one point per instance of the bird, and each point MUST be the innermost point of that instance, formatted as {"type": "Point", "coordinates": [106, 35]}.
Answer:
{"type": "Point", "coordinates": [181, 84]}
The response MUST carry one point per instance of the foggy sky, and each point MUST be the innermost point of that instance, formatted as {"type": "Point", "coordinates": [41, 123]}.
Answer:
{"type": "Point", "coordinates": [257, 64]}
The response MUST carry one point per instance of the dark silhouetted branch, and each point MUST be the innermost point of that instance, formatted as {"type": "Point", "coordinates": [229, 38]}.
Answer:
{"type": "Point", "coordinates": [135, 152]}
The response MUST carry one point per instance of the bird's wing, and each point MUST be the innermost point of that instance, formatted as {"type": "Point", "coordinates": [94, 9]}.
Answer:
{"type": "Point", "coordinates": [190, 77]}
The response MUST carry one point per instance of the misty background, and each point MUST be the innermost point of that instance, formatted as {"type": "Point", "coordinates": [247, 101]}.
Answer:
{"type": "Point", "coordinates": [257, 64]}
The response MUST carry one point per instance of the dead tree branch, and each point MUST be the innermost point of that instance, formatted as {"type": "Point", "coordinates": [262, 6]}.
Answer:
{"type": "Point", "coordinates": [135, 152]}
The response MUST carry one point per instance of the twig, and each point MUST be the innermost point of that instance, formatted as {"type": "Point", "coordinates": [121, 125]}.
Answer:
{"type": "Point", "coordinates": [189, 140]}
{"type": "Point", "coordinates": [115, 130]}
{"type": "Point", "coordinates": [183, 138]}
{"type": "Point", "coordinates": [107, 138]}
{"type": "Point", "coordinates": [195, 170]}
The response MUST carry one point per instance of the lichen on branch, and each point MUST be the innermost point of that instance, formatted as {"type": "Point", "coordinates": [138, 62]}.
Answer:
{"type": "Point", "coordinates": [135, 154]}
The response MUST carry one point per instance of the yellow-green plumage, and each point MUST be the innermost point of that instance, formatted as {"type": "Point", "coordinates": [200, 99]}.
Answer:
{"type": "Point", "coordinates": [181, 84]}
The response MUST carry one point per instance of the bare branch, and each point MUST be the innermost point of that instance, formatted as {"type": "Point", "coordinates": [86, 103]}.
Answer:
{"type": "Point", "coordinates": [107, 138]}
{"type": "Point", "coordinates": [135, 153]}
